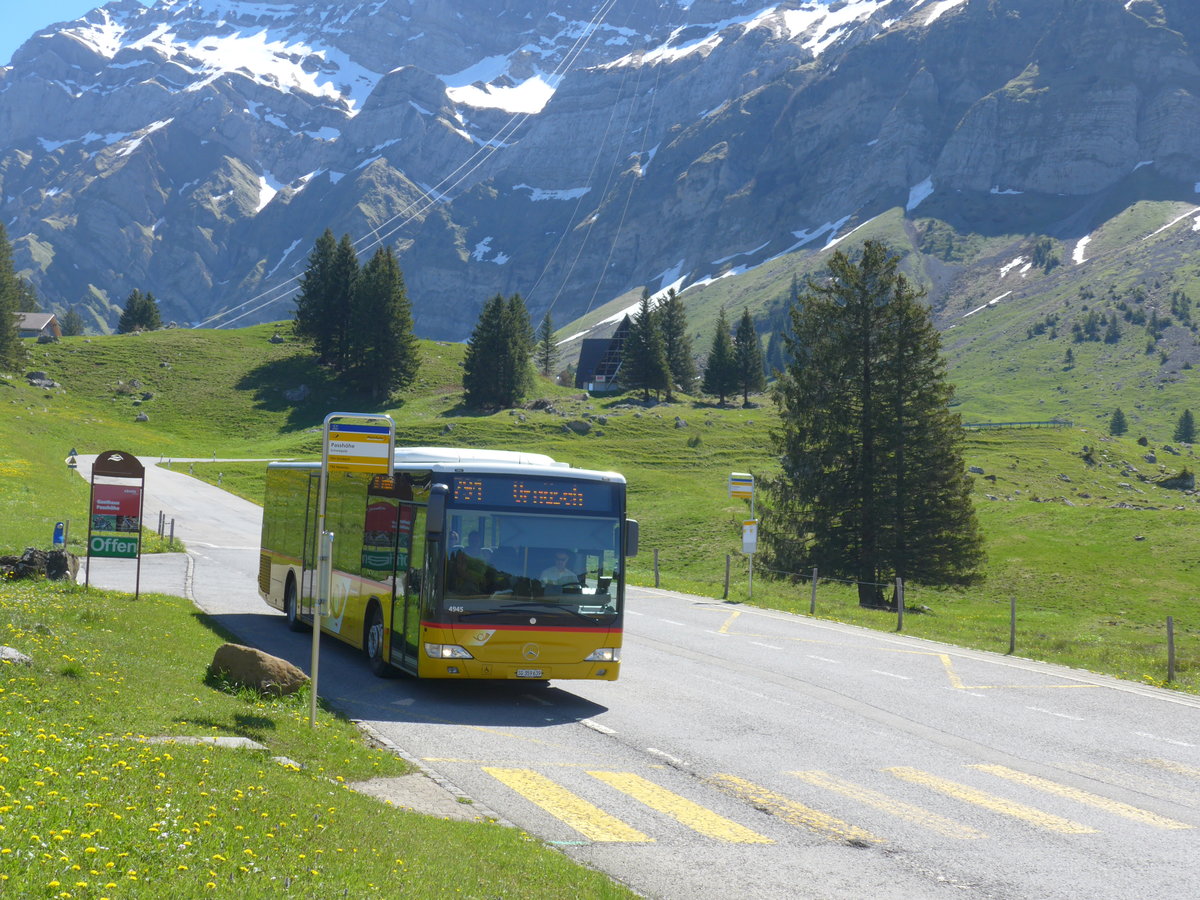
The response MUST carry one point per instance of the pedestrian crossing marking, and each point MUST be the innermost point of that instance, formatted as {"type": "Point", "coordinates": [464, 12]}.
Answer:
{"type": "Point", "coordinates": [1085, 797]}
{"type": "Point", "coordinates": [589, 820]}
{"type": "Point", "coordinates": [923, 817]}
{"type": "Point", "coordinates": [684, 811]}
{"type": "Point", "coordinates": [790, 811]}
{"type": "Point", "coordinates": [989, 801]}
{"type": "Point", "coordinates": [1171, 766]}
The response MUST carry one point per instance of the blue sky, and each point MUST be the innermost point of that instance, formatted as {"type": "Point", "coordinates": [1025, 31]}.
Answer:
{"type": "Point", "coordinates": [22, 19]}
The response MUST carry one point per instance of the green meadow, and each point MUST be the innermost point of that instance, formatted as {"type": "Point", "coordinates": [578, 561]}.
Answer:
{"type": "Point", "coordinates": [1094, 554]}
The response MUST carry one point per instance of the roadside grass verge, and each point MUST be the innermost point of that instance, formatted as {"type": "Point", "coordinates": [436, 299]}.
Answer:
{"type": "Point", "coordinates": [89, 808]}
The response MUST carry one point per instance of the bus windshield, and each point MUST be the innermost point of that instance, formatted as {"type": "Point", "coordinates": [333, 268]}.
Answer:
{"type": "Point", "coordinates": [516, 563]}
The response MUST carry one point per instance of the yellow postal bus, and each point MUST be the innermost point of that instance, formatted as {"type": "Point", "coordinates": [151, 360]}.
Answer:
{"type": "Point", "coordinates": [464, 564]}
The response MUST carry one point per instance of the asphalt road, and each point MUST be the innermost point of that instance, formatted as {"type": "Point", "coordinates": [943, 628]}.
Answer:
{"type": "Point", "coordinates": [750, 753]}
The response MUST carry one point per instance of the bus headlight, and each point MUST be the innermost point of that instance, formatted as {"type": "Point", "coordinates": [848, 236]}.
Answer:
{"type": "Point", "coordinates": [604, 654]}
{"type": "Point", "coordinates": [446, 651]}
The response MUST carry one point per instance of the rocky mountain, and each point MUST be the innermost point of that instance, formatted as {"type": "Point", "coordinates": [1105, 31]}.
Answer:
{"type": "Point", "coordinates": [574, 151]}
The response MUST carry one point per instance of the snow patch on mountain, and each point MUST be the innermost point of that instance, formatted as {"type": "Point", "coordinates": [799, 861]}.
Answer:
{"type": "Point", "coordinates": [993, 302]}
{"type": "Point", "coordinates": [1008, 267]}
{"type": "Point", "coordinates": [1077, 256]}
{"type": "Point", "coordinates": [268, 187]}
{"type": "Point", "coordinates": [269, 58]}
{"type": "Point", "coordinates": [940, 8]}
{"type": "Point", "coordinates": [473, 86]}
{"type": "Point", "coordinates": [537, 194]}
{"type": "Point", "coordinates": [919, 193]}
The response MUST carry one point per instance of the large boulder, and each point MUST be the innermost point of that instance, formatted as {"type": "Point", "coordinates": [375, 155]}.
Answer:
{"type": "Point", "coordinates": [255, 669]}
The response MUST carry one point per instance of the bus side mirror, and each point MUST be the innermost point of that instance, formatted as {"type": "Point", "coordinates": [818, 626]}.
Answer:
{"type": "Point", "coordinates": [435, 518]}
{"type": "Point", "coordinates": [631, 537]}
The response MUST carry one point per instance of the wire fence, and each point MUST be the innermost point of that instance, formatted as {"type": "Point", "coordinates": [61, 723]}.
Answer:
{"type": "Point", "coordinates": [1156, 645]}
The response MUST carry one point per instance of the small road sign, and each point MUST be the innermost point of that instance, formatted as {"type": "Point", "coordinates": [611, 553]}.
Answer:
{"type": "Point", "coordinates": [741, 484]}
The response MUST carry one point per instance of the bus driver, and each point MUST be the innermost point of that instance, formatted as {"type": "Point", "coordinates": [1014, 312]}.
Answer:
{"type": "Point", "coordinates": [559, 574]}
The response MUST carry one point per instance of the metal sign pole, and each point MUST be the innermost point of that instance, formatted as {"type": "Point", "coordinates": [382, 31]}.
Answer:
{"type": "Point", "coordinates": [322, 580]}
{"type": "Point", "coordinates": [358, 450]}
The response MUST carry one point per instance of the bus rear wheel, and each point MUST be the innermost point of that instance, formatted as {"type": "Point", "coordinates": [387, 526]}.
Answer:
{"type": "Point", "coordinates": [373, 644]}
{"type": "Point", "coordinates": [294, 622]}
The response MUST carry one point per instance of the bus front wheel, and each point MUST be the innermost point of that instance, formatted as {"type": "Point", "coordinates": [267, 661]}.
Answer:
{"type": "Point", "coordinates": [373, 644]}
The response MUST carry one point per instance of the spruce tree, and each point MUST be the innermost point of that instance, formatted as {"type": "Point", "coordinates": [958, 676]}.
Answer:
{"type": "Point", "coordinates": [497, 368]}
{"type": "Point", "coordinates": [484, 347]}
{"type": "Point", "coordinates": [748, 358]}
{"type": "Point", "coordinates": [1185, 428]}
{"type": "Point", "coordinates": [720, 371]}
{"type": "Point", "coordinates": [872, 484]}
{"type": "Point", "coordinates": [547, 350]}
{"type": "Point", "coordinates": [384, 351]}
{"type": "Point", "coordinates": [310, 321]}
{"type": "Point", "coordinates": [140, 313]}
{"type": "Point", "coordinates": [340, 303]}
{"type": "Point", "coordinates": [1117, 424]}
{"type": "Point", "coordinates": [12, 353]}
{"type": "Point", "coordinates": [72, 323]}
{"type": "Point", "coordinates": [644, 365]}
{"type": "Point", "coordinates": [520, 341]}
{"type": "Point", "coordinates": [676, 343]}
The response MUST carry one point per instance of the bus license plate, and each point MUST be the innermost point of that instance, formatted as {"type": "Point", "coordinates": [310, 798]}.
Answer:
{"type": "Point", "coordinates": [529, 673]}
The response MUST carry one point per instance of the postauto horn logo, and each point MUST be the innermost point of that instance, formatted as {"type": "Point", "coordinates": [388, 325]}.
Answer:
{"type": "Point", "coordinates": [114, 547]}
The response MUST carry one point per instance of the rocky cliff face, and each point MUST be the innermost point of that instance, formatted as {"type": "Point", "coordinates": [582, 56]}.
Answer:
{"type": "Point", "coordinates": [568, 151]}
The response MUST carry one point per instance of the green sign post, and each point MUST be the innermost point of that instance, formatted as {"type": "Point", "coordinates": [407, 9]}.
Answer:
{"type": "Point", "coordinates": [115, 511]}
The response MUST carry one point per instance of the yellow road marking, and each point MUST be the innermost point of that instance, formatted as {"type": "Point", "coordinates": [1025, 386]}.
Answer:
{"type": "Point", "coordinates": [682, 810]}
{"type": "Point", "coordinates": [589, 820]}
{"type": "Point", "coordinates": [908, 812]}
{"type": "Point", "coordinates": [990, 801]}
{"type": "Point", "coordinates": [1171, 766]}
{"type": "Point", "coordinates": [792, 812]}
{"type": "Point", "coordinates": [732, 618]}
{"type": "Point", "coordinates": [1104, 803]}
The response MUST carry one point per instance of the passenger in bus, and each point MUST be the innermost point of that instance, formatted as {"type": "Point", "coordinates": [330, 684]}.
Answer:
{"type": "Point", "coordinates": [470, 571]}
{"type": "Point", "coordinates": [559, 574]}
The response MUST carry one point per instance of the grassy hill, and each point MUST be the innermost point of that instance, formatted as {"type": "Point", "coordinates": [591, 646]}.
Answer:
{"type": "Point", "coordinates": [1009, 303]}
{"type": "Point", "coordinates": [1078, 530]}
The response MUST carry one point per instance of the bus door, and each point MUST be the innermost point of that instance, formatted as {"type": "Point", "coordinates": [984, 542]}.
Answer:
{"type": "Point", "coordinates": [388, 553]}
{"type": "Point", "coordinates": [406, 610]}
{"type": "Point", "coordinates": [307, 601]}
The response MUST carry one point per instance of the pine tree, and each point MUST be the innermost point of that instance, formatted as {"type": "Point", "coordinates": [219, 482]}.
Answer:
{"type": "Point", "coordinates": [516, 373]}
{"type": "Point", "coordinates": [547, 350]}
{"type": "Point", "coordinates": [384, 351]}
{"type": "Point", "coordinates": [140, 313]}
{"type": "Point", "coordinates": [325, 302]}
{"type": "Point", "coordinates": [1117, 424]}
{"type": "Point", "coordinates": [340, 302]}
{"type": "Point", "coordinates": [1185, 428]}
{"type": "Point", "coordinates": [72, 323]}
{"type": "Point", "coordinates": [872, 483]}
{"type": "Point", "coordinates": [676, 343]}
{"type": "Point", "coordinates": [748, 357]}
{"type": "Point", "coordinates": [720, 372]}
{"type": "Point", "coordinates": [12, 352]}
{"type": "Point", "coordinates": [310, 321]}
{"type": "Point", "coordinates": [497, 369]}
{"type": "Point", "coordinates": [484, 347]}
{"type": "Point", "coordinates": [27, 298]}
{"type": "Point", "coordinates": [644, 365]}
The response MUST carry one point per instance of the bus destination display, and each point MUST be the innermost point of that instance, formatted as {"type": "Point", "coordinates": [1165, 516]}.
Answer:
{"type": "Point", "coordinates": [515, 492]}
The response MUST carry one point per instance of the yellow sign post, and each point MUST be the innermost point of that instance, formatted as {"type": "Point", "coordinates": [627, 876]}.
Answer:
{"type": "Point", "coordinates": [354, 442]}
